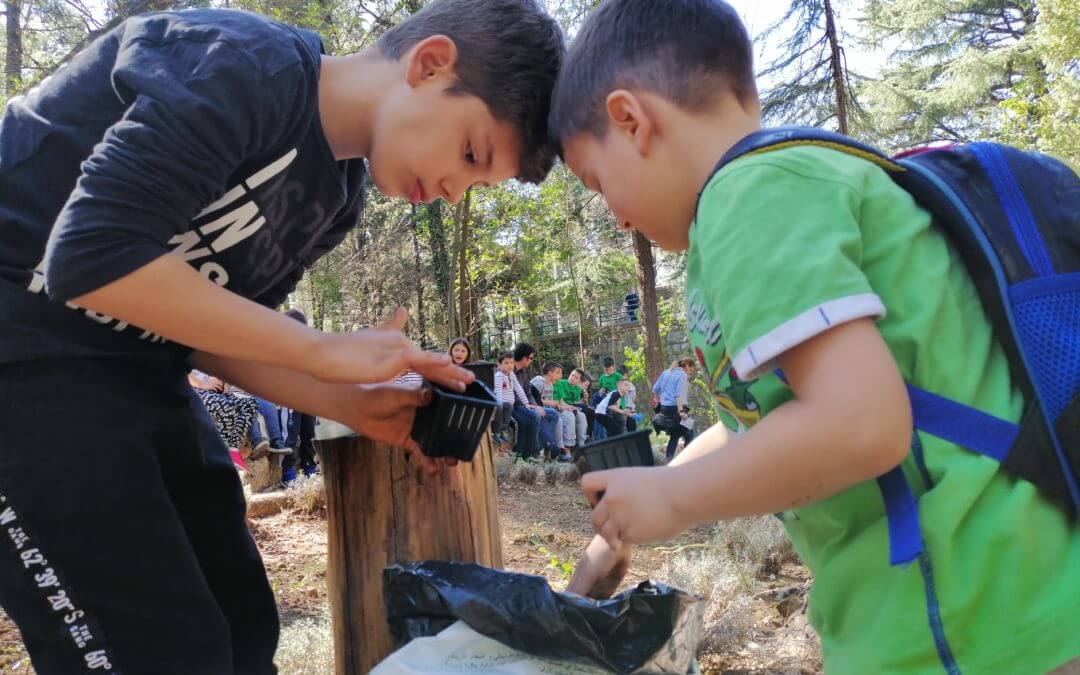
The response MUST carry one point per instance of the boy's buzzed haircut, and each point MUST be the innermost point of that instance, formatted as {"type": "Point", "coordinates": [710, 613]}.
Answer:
{"type": "Point", "coordinates": [550, 366]}
{"type": "Point", "coordinates": [509, 54]}
{"type": "Point", "coordinates": [609, 362]}
{"type": "Point", "coordinates": [683, 50]}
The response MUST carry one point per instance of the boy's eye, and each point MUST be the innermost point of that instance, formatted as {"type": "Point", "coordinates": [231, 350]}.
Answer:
{"type": "Point", "coordinates": [469, 156]}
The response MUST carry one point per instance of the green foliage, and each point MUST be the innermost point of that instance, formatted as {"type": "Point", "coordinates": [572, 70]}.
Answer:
{"type": "Point", "coordinates": [800, 82]}
{"type": "Point", "coordinates": [556, 564]}
{"type": "Point", "coordinates": [956, 63]}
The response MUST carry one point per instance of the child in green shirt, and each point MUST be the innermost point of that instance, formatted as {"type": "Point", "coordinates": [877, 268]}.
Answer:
{"type": "Point", "coordinates": [610, 379]}
{"type": "Point", "coordinates": [812, 261]}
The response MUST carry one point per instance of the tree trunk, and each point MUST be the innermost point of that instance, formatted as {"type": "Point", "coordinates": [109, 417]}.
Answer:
{"type": "Point", "coordinates": [13, 64]}
{"type": "Point", "coordinates": [421, 324]}
{"type": "Point", "coordinates": [577, 295]}
{"type": "Point", "coordinates": [383, 509]}
{"type": "Point", "coordinates": [836, 62]}
{"type": "Point", "coordinates": [646, 278]}
{"type": "Point", "coordinates": [456, 298]}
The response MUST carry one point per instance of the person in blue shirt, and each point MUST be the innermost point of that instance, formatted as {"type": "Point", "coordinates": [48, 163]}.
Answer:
{"type": "Point", "coordinates": [160, 196]}
{"type": "Point", "coordinates": [670, 394]}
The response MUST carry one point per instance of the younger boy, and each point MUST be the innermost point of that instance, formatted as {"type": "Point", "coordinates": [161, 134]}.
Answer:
{"type": "Point", "coordinates": [179, 175]}
{"type": "Point", "coordinates": [813, 261]}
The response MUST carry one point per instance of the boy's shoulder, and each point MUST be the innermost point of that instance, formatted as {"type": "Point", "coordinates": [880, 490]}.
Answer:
{"type": "Point", "coordinates": [269, 44]}
{"type": "Point", "coordinates": [796, 164]}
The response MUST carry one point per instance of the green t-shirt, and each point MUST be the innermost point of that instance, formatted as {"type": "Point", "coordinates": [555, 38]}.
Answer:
{"type": "Point", "coordinates": [610, 382]}
{"type": "Point", "coordinates": [787, 244]}
{"type": "Point", "coordinates": [566, 392]}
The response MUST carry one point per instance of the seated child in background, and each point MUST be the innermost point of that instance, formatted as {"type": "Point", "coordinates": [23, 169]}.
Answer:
{"type": "Point", "coordinates": [628, 402]}
{"type": "Point", "coordinates": [610, 379]}
{"type": "Point", "coordinates": [568, 393]}
{"type": "Point", "coordinates": [274, 442]}
{"type": "Point", "coordinates": [232, 414]}
{"type": "Point", "coordinates": [813, 261]}
{"type": "Point", "coordinates": [505, 392]}
{"type": "Point", "coordinates": [585, 406]}
{"type": "Point", "coordinates": [566, 430]}
{"type": "Point", "coordinates": [608, 412]}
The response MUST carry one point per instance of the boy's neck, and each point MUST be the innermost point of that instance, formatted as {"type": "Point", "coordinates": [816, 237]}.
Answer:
{"type": "Point", "coordinates": [350, 88]}
{"type": "Point", "coordinates": [705, 137]}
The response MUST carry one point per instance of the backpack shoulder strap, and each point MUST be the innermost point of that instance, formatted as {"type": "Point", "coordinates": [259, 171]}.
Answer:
{"type": "Point", "coordinates": [768, 140]}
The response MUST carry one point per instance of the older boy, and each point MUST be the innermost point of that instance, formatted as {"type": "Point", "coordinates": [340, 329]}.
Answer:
{"type": "Point", "coordinates": [179, 175]}
{"type": "Point", "coordinates": [815, 262]}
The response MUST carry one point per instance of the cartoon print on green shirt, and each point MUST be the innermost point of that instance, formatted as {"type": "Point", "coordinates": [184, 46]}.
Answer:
{"type": "Point", "coordinates": [739, 410]}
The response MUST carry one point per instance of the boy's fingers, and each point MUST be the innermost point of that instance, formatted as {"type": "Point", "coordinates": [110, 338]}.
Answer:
{"type": "Point", "coordinates": [439, 369]}
{"type": "Point", "coordinates": [429, 464]}
{"type": "Point", "coordinates": [599, 517]}
{"type": "Point", "coordinates": [424, 396]}
{"type": "Point", "coordinates": [593, 484]}
{"type": "Point", "coordinates": [610, 533]}
{"type": "Point", "coordinates": [398, 321]}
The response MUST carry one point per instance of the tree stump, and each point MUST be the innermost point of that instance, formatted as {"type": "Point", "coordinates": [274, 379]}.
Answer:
{"type": "Point", "coordinates": [383, 509]}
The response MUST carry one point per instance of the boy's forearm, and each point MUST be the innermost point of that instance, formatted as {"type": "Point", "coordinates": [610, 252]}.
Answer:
{"type": "Point", "coordinates": [777, 466]}
{"type": "Point", "coordinates": [171, 299]}
{"type": "Point", "coordinates": [284, 386]}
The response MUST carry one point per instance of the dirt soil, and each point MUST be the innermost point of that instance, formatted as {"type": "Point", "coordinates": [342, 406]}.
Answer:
{"type": "Point", "coordinates": [544, 529]}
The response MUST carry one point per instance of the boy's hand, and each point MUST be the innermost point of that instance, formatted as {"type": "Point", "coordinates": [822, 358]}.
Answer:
{"type": "Point", "coordinates": [385, 413]}
{"type": "Point", "coordinates": [380, 354]}
{"type": "Point", "coordinates": [600, 570]}
{"type": "Point", "coordinates": [637, 506]}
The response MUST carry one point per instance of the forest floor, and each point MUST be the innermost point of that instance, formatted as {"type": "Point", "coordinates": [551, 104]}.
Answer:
{"type": "Point", "coordinates": [756, 589]}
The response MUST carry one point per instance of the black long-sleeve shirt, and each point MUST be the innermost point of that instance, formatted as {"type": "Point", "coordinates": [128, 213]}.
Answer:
{"type": "Point", "coordinates": [194, 133]}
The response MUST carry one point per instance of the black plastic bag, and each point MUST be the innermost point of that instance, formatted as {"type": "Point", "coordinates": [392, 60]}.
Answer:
{"type": "Point", "coordinates": [653, 628]}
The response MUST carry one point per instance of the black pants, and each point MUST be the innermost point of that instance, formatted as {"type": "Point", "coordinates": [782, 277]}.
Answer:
{"type": "Point", "coordinates": [301, 438]}
{"type": "Point", "coordinates": [590, 417]}
{"type": "Point", "coordinates": [123, 541]}
{"type": "Point", "coordinates": [614, 425]}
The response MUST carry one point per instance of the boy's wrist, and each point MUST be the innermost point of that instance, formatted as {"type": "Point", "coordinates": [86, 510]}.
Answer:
{"type": "Point", "coordinates": [684, 504]}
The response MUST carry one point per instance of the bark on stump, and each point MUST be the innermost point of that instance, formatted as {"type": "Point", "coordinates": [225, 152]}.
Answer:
{"type": "Point", "coordinates": [383, 509]}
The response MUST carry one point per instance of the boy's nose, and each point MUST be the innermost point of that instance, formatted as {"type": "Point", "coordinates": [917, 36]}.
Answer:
{"type": "Point", "coordinates": [451, 192]}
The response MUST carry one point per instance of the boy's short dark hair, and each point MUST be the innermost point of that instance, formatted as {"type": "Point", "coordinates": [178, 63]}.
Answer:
{"type": "Point", "coordinates": [509, 53]}
{"type": "Point", "coordinates": [609, 362]}
{"type": "Point", "coordinates": [683, 50]}
{"type": "Point", "coordinates": [524, 351]}
{"type": "Point", "coordinates": [296, 315]}
{"type": "Point", "coordinates": [579, 371]}
{"type": "Point", "coordinates": [505, 355]}
{"type": "Point", "coordinates": [550, 366]}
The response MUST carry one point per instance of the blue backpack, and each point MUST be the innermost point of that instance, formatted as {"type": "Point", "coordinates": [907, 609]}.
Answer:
{"type": "Point", "coordinates": [1014, 217]}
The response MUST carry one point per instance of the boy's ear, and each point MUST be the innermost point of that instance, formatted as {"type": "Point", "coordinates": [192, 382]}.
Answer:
{"type": "Point", "coordinates": [430, 59]}
{"type": "Point", "coordinates": [627, 115]}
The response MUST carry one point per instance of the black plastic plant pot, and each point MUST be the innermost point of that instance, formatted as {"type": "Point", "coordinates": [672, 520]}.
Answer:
{"type": "Point", "coordinates": [617, 453]}
{"type": "Point", "coordinates": [453, 424]}
{"type": "Point", "coordinates": [484, 371]}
